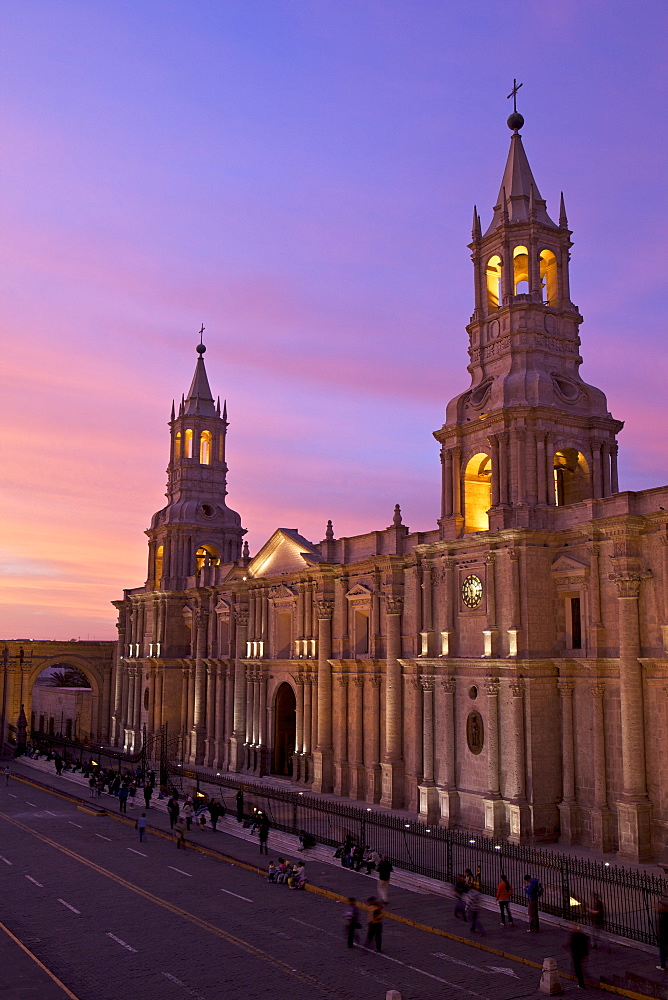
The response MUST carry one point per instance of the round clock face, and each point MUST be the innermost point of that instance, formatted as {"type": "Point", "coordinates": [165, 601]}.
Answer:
{"type": "Point", "coordinates": [472, 591]}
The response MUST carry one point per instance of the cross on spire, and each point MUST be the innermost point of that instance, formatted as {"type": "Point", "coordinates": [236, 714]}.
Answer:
{"type": "Point", "coordinates": [201, 332]}
{"type": "Point", "coordinates": [513, 94]}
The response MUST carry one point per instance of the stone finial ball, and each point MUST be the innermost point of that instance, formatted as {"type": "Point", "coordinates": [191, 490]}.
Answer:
{"type": "Point", "coordinates": [200, 348]}
{"type": "Point", "coordinates": [515, 121]}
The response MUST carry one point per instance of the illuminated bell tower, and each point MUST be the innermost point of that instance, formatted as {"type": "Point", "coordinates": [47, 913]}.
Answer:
{"type": "Point", "coordinates": [196, 531]}
{"type": "Point", "coordinates": [528, 435]}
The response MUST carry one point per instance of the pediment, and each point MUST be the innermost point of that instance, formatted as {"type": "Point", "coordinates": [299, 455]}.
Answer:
{"type": "Point", "coordinates": [285, 552]}
{"type": "Point", "coordinates": [568, 566]}
{"type": "Point", "coordinates": [359, 590]}
{"type": "Point", "coordinates": [223, 607]}
{"type": "Point", "coordinates": [281, 593]}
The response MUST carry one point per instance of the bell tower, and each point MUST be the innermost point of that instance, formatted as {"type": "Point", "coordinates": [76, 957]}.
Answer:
{"type": "Point", "coordinates": [528, 435]}
{"type": "Point", "coordinates": [196, 531]}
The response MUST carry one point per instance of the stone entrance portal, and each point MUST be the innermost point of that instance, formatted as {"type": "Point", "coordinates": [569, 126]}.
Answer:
{"type": "Point", "coordinates": [285, 731]}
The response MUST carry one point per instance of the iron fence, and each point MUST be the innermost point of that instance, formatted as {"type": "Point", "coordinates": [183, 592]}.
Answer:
{"type": "Point", "coordinates": [570, 885]}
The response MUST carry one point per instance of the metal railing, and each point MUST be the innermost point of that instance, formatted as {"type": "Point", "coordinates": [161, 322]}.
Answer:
{"type": "Point", "coordinates": [570, 885]}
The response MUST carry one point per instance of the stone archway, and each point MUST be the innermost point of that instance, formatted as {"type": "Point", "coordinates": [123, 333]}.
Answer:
{"type": "Point", "coordinates": [285, 730]}
{"type": "Point", "coordinates": [99, 688]}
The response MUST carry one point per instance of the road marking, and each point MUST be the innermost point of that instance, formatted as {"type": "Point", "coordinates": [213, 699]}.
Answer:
{"type": "Point", "coordinates": [503, 971]}
{"type": "Point", "coordinates": [34, 881]}
{"type": "Point", "coordinates": [123, 944]}
{"type": "Point", "coordinates": [12, 795]}
{"type": "Point", "coordinates": [414, 968]}
{"type": "Point", "coordinates": [70, 907]}
{"type": "Point", "coordinates": [237, 895]}
{"type": "Point", "coordinates": [54, 978]}
{"type": "Point", "coordinates": [103, 837]}
{"type": "Point", "coordinates": [137, 852]}
{"type": "Point", "coordinates": [178, 982]}
{"type": "Point", "coordinates": [50, 813]}
{"type": "Point", "coordinates": [5, 860]}
{"type": "Point", "coordinates": [179, 871]}
{"type": "Point", "coordinates": [31, 804]}
{"type": "Point", "coordinates": [75, 824]}
{"type": "Point", "coordinates": [456, 961]}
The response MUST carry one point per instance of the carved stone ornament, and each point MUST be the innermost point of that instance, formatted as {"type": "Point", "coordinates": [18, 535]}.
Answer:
{"type": "Point", "coordinates": [393, 605]}
{"type": "Point", "coordinates": [324, 609]}
{"type": "Point", "coordinates": [475, 732]}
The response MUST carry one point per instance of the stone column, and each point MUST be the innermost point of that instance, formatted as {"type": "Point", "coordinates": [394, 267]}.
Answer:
{"type": "Point", "coordinates": [159, 689]}
{"type": "Point", "coordinates": [139, 677]}
{"type": "Point", "coordinates": [221, 711]}
{"type": "Point", "coordinates": [606, 468]}
{"type": "Point", "coordinates": [494, 446]}
{"type": "Point", "coordinates": [634, 810]}
{"type": "Point", "coordinates": [514, 632]}
{"type": "Point", "coordinates": [341, 745]}
{"type": "Point", "coordinates": [297, 773]}
{"type": "Point", "coordinates": [614, 474]}
{"type": "Point", "coordinates": [447, 793]}
{"type": "Point", "coordinates": [372, 731]}
{"type": "Point", "coordinates": [446, 458]}
{"type": "Point", "coordinates": [493, 803]}
{"type": "Point", "coordinates": [448, 605]}
{"type": "Point", "coordinates": [519, 816]}
{"type": "Point", "coordinates": [150, 721]}
{"type": "Point", "coordinates": [116, 720]}
{"type": "Point", "coordinates": [393, 764]}
{"type": "Point", "coordinates": [256, 707]}
{"type": "Point", "coordinates": [595, 630]}
{"type": "Point", "coordinates": [356, 789]}
{"type": "Point", "coordinates": [504, 496]}
{"type": "Point", "coordinates": [541, 465]}
{"type": "Point", "coordinates": [600, 815]}
{"type": "Point", "coordinates": [263, 757]}
{"type": "Point", "coordinates": [198, 732]}
{"type": "Point", "coordinates": [597, 476]}
{"type": "Point", "coordinates": [490, 634]}
{"type": "Point", "coordinates": [568, 808]}
{"type": "Point", "coordinates": [239, 732]}
{"type": "Point", "coordinates": [125, 705]}
{"type": "Point", "coordinates": [229, 711]}
{"type": "Point", "coordinates": [248, 735]}
{"type": "Point", "coordinates": [185, 685]}
{"type": "Point", "coordinates": [211, 714]}
{"type": "Point", "coordinates": [323, 772]}
{"type": "Point", "coordinates": [427, 788]}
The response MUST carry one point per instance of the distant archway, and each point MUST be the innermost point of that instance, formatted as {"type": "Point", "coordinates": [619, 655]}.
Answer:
{"type": "Point", "coordinates": [71, 711]}
{"type": "Point", "coordinates": [285, 730]}
{"type": "Point", "coordinates": [571, 477]}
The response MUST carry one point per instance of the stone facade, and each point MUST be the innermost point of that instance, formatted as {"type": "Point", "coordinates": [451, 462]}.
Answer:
{"type": "Point", "coordinates": [506, 671]}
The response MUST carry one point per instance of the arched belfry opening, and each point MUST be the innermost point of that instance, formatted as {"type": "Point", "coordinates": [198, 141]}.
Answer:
{"type": "Point", "coordinates": [572, 482]}
{"type": "Point", "coordinates": [548, 278]}
{"type": "Point", "coordinates": [285, 730]}
{"type": "Point", "coordinates": [477, 492]}
{"type": "Point", "coordinates": [493, 274]}
{"type": "Point", "coordinates": [520, 271]}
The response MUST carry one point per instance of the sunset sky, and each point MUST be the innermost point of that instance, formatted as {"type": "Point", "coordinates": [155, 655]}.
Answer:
{"type": "Point", "coordinates": [299, 176]}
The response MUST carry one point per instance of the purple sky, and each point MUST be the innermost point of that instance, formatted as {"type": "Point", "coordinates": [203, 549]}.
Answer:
{"type": "Point", "coordinates": [300, 177]}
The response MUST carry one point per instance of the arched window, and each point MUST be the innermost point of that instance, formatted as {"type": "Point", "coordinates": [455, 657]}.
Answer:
{"type": "Point", "coordinates": [548, 277]}
{"type": "Point", "coordinates": [571, 477]}
{"type": "Point", "coordinates": [477, 492]}
{"type": "Point", "coordinates": [159, 556]}
{"type": "Point", "coordinates": [205, 448]}
{"type": "Point", "coordinates": [520, 271]}
{"type": "Point", "coordinates": [493, 272]}
{"type": "Point", "coordinates": [206, 555]}
{"type": "Point", "coordinates": [177, 446]}
{"type": "Point", "coordinates": [189, 443]}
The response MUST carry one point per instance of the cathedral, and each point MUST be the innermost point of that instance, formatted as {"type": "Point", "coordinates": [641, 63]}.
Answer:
{"type": "Point", "coordinates": [505, 671]}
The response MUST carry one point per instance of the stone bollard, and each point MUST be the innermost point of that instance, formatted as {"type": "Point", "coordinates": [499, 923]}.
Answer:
{"type": "Point", "coordinates": [392, 995]}
{"type": "Point", "coordinates": [549, 980]}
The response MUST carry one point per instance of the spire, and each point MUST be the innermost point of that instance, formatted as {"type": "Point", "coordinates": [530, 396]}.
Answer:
{"type": "Point", "coordinates": [329, 533]}
{"type": "Point", "coordinates": [518, 187]}
{"type": "Point", "coordinates": [173, 416]}
{"type": "Point", "coordinates": [225, 411]}
{"type": "Point", "coordinates": [397, 519]}
{"type": "Point", "coordinates": [218, 407]}
{"type": "Point", "coordinates": [563, 221]}
{"type": "Point", "coordinates": [199, 399]}
{"type": "Point", "coordinates": [475, 228]}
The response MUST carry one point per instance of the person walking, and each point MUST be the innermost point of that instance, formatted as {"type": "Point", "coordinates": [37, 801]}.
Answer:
{"type": "Point", "coordinates": [173, 809]}
{"type": "Point", "coordinates": [188, 810]}
{"type": "Point", "coordinates": [240, 806]}
{"type": "Point", "coordinates": [579, 948]}
{"type": "Point", "coordinates": [181, 832]}
{"type": "Point", "coordinates": [597, 913]}
{"type": "Point", "coordinates": [141, 826]}
{"type": "Point", "coordinates": [7, 774]}
{"type": "Point", "coordinates": [533, 890]}
{"type": "Point", "coordinates": [374, 932]}
{"type": "Point", "coordinates": [384, 870]}
{"type": "Point", "coordinates": [352, 922]}
{"type": "Point", "coordinates": [461, 888]}
{"type": "Point", "coordinates": [662, 931]}
{"type": "Point", "coordinates": [123, 793]}
{"type": "Point", "coordinates": [263, 834]}
{"type": "Point", "coordinates": [473, 904]}
{"type": "Point", "coordinates": [148, 794]}
{"type": "Point", "coordinates": [504, 893]}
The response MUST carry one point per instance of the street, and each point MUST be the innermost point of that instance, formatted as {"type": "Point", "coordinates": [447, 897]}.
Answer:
{"type": "Point", "coordinates": [112, 917]}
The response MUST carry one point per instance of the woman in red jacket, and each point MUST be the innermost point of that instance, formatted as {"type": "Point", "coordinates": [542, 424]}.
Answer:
{"type": "Point", "coordinates": [504, 893]}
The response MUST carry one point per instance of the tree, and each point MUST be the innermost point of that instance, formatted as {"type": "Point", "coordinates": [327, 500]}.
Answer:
{"type": "Point", "coordinates": [70, 677]}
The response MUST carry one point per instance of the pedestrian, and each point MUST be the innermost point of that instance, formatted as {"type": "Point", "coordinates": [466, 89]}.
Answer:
{"type": "Point", "coordinates": [597, 914]}
{"type": "Point", "coordinates": [352, 922]}
{"type": "Point", "coordinates": [263, 834]}
{"type": "Point", "coordinates": [240, 806]}
{"type": "Point", "coordinates": [202, 821]}
{"type": "Point", "coordinates": [173, 809]}
{"type": "Point", "coordinates": [579, 946]}
{"type": "Point", "coordinates": [188, 810]}
{"type": "Point", "coordinates": [132, 791]}
{"type": "Point", "coordinates": [384, 870]}
{"type": "Point", "coordinates": [533, 890]}
{"type": "Point", "coordinates": [662, 931]}
{"type": "Point", "coordinates": [148, 793]}
{"type": "Point", "coordinates": [181, 832]}
{"type": "Point", "coordinates": [123, 792]}
{"type": "Point", "coordinates": [92, 782]}
{"type": "Point", "coordinates": [58, 761]}
{"type": "Point", "coordinates": [141, 826]}
{"type": "Point", "coordinates": [374, 931]}
{"type": "Point", "coordinates": [473, 903]}
{"type": "Point", "coordinates": [504, 893]}
{"type": "Point", "coordinates": [461, 888]}
{"type": "Point", "coordinates": [7, 774]}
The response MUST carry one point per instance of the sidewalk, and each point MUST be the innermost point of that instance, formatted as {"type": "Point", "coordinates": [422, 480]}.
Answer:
{"type": "Point", "coordinates": [422, 901]}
